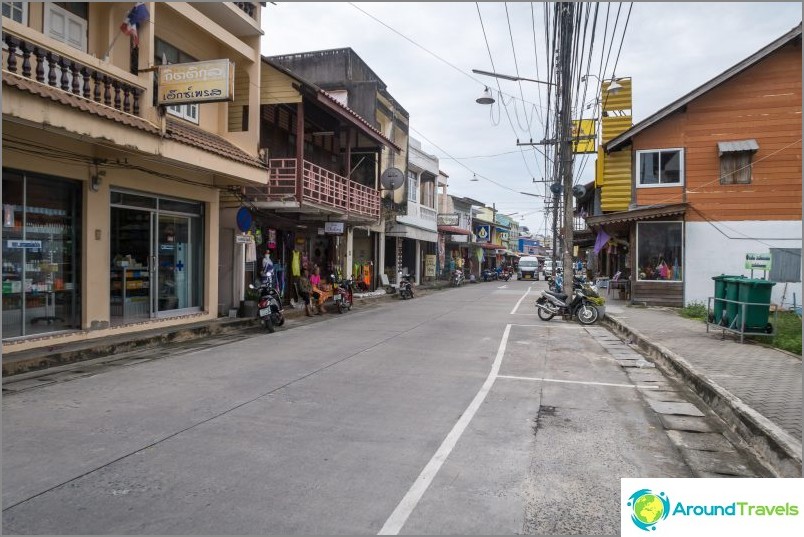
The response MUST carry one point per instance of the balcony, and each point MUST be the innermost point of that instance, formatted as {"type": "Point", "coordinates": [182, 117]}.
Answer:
{"type": "Point", "coordinates": [71, 71]}
{"type": "Point", "coordinates": [239, 18]}
{"type": "Point", "coordinates": [318, 187]}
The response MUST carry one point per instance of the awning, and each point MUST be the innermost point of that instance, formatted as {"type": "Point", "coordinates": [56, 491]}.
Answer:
{"type": "Point", "coordinates": [635, 215]}
{"type": "Point", "coordinates": [488, 245]}
{"type": "Point", "coordinates": [733, 147]}
{"type": "Point", "coordinates": [453, 230]}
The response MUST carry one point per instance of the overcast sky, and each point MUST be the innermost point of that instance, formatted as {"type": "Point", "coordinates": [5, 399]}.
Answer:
{"type": "Point", "coordinates": [669, 49]}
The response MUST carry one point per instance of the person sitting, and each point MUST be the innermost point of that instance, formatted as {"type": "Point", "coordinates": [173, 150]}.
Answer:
{"type": "Point", "coordinates": [305, 290]}
{"type": "Point", "coordinates": [321, 291]}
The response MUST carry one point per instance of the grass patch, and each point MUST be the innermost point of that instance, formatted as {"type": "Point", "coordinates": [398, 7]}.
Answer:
{"type": "Point", "coordinates": [788, 333]}
{"type": "Point", "coordinates": [694, 310]}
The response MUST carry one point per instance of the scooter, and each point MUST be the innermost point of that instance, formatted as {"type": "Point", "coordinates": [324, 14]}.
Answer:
{"type": "Point", "coordinates": [579, 306]}
{"type": "Point", "coordinates": [457, 278]}
{"type": "Point", "coordinates": [489, 275]}
{"type": "Point", "coordinates": [269, 307]}
{"type": "Point", "coordinates": [505, 275]}
{"type": "Point", "coordinates": [343, 294]}
{"type": "Point", "coordinates": [405, 287]}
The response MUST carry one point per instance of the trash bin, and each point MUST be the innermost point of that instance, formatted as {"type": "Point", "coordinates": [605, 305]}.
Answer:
{"type": "Point", "coordinates": [756, 317]}
{"type": "Point", "coordinates": [731, 292]}
{"type": "Point", "coordinates": [718, 307]}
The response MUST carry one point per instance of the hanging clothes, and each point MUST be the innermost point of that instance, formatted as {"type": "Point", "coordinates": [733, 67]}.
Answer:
{"type": "Point", "coordinates": [295, 264]}
{"type": "Point", "coordinates": [251, 252]}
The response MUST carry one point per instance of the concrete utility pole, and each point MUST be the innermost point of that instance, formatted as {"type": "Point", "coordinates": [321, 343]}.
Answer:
{"type": "Point", "coordinates": [565, 135]}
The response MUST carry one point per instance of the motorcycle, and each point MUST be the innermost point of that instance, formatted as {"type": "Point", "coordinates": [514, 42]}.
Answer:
{"type": "Point", "coordinates": [269, 307]}
{"type": "Point", "coordinates": [505, 275]}
{"type": "Point", "coordinates": [581, 305]}
{"type": "Point", "coordinates": [343, 294]}
{"type": "Point", "coordinates": [405, 287]}
{"type": "Point", "coordinates": [457, 278]}
{"type": "Point", "coordinates": [489, 275]}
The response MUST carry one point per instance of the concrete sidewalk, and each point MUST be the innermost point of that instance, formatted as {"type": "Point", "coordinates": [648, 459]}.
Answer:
{"type": "Point", "coordinates": [755, 389]}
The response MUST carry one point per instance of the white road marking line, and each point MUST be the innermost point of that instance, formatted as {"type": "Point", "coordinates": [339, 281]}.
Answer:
{"type": "Point", "coordinates": [513, 311]}
{"type": "Point", "coordinates": [578, 382]}
{"type": "Point", "coordinates": [503, 287]}
{"type": "Point", "coordinates": [406, 506]}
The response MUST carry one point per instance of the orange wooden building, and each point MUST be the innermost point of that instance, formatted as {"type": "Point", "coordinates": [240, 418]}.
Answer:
{"type": "Point", "coordinates": [716, 175]}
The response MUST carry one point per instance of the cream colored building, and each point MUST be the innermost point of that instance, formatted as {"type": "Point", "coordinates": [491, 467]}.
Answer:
{"type": "Point", "coordinates": [111, 203]}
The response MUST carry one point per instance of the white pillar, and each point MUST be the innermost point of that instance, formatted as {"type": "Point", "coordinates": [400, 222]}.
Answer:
{"type": "Point", "coordinates": [418, 262]}
{"type": "Point", "coordinates": [350, 237]}
{"type": "Point", "coordinates": [379, 268]}
{"type": "Point", "coordinates": [239, 273]}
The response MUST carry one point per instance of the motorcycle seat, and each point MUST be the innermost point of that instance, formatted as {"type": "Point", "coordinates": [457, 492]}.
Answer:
{"type": "Point", "coordinates": [560, 296]}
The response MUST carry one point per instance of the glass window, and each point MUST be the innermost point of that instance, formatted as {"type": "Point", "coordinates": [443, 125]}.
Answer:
{"type": "Point", "coordinates": [660, 251]}
{"type": "Point", "coordinates": [165, 53]}
{"type": "Point", "coordinates": [660, 168]}
{"type": "Point", "coordinates": [41, 261]}
{"type": "Point", "coordinates": [67, 22]}
{"type": "Point", "coordinates": [413, 187]}
{"type": "Point", "coordinates": [16, 11]}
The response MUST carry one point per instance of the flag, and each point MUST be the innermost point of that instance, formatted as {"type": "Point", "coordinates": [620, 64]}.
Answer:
{"type": "Point", "coordinates": [601, 240]}
{"type": "Point", "coordinates": [135, 16]}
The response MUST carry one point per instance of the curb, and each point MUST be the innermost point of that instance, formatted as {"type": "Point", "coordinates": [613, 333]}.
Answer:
{"type": "Point", "coordinates": [775, 449]}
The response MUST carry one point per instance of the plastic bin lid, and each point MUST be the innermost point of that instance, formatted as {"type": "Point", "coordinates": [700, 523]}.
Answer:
{"type": "Point", "coordinates": [757, 283]}
{"type": "Point", "coordinates": [724, 276]}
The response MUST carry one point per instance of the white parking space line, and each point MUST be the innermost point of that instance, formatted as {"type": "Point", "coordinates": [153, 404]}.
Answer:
{"type": "Point", "coordinates": [537, 379]}
{"type": "Point", "coordinates": [409, 502]}
{"type": "Point", "coordinates": [513, 311]}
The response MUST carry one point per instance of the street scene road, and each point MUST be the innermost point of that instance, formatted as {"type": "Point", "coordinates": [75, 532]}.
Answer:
{"type": "Point", "coordinates": [458, 412]}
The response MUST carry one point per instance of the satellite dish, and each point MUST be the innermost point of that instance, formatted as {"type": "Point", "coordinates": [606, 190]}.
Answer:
{"type": "Point", "coordinates": [579, 191]}
{"type": "Point", "coordinates": [391, 179]}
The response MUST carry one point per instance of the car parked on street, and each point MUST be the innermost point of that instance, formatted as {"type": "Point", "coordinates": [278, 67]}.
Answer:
{"type": "Point", "coordinates": [528, 268]}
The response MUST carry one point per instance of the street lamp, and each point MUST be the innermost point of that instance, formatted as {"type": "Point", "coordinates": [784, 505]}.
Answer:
{"type": "Point", "coordinates": [511, 77]}
{"type": "Point", "coordinates": [613, 88]}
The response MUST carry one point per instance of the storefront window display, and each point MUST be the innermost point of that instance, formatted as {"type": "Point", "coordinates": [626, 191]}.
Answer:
{"type": "Point", "coordinates": [41, 261]}
{"type": "Point", "coordinates": [660, 251]}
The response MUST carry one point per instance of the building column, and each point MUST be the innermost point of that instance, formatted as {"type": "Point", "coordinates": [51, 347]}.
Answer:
{"type": "Point", "coordinates": [380, 265]}
{"type": "Point", "coordinates": [418, 262]}
{"type": "Point", "coordinates": [350, 237]}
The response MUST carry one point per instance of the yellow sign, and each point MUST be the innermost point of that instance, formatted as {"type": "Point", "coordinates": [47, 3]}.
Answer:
{"type": "Point", "coordinates": [584, 136]}
{"type": "Point", "coordinates": [429, 266]}
{"type": "Point", "coordinates": [197, 82]}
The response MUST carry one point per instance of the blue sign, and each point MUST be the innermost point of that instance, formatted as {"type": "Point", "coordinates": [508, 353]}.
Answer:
{"type": "Point", "coordinates": [483, 233]}
{"type": "Point", "coordinates": [244, 219]}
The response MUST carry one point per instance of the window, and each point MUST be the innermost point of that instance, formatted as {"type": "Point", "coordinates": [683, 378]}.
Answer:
{"type": "Point", "coordinates": [67, 22]}
{"type": "Point", "coordinates": [659, 251]}
{"type": "Point", "coordinates": [16, 11]}
{"type": "Point", "coordinates": [735, 161]}
{"type": "Point", "coordinates": [167, 53]}
{"type": "Point", "coordinates": [657, 168]}
{"type": "Point", "coordinates": [785, 265]}
{"type": "Point", "coordinates": [413, 187]}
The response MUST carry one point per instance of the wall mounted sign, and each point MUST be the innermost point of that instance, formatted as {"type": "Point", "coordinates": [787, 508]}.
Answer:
{"type": "Point", "coordinates": [449, 219]}
{"type": "Point", "coordinates": [483, 233]}
{"type": "Point", "coordinates": [333, 228]}
{"type": "Point", "coordinates": [244, 219]}
{"type": "Point", "coordinates": [197, 82]}
{"type": "Point", "coordinates": [758, 261]}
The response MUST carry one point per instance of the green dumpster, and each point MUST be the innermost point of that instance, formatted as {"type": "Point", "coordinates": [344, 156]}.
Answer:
{"type": "Point", "coordinates": [720, 292]}
{"type": "Point", "coordinates": [756, 317]}
{"type": "Point", "coordinates": [731, 293]}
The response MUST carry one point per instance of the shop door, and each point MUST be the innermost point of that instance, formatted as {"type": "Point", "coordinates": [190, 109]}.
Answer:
{"type": "Point", "coordinates": [173, 254]}
{"type": "Point", "coordinates": [132, 265]}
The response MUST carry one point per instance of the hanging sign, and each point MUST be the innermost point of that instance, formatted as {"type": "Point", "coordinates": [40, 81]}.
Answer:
{"type": "Point", "coordinates": [244, 219]}
{"type": "Point", "coordinates": [196, 82]}
{"type": "Point", "coordinates": [244, 239]}
{"type": "Point", "coordinates": [333, 228]}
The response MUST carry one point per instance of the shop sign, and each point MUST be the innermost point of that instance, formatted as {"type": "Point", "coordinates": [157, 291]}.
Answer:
{"type": "Point", "coordinates": [244, 219]}
{"type": "Point", "coordinates": [430, 266]}
{"type": "Point", "coordinates": [24, 244]}
{"type": "Point", "coordinates": [503, 235]}
{"type": "Point", "coordinates": [449, 219]}
{"type": "Point", "coordinates": [333, 228]}
{"type": "Point", "coordinates": [244, 239]}
{"type": "Point", "coordinates": [483, 233]}
{"type": "Point", "coordinates": [197, 82]}
{"type": "Point", "coordinates": [758, 261]}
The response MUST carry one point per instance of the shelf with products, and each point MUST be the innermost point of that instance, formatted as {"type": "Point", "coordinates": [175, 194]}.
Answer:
{"type": "Point", "coordinates": [130, 290]}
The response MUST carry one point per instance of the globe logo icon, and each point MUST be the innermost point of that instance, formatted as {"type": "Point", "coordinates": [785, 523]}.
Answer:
{"type": "Point", "coordinates": [648, 508]}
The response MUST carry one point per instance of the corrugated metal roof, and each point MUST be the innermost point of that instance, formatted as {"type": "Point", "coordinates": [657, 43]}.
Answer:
{"type": "Point", "coordinates": [740, 145]}
{"type": "Point", "coordinates": [625, 137]}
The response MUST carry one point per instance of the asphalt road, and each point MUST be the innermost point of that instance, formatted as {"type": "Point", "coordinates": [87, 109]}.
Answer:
{"type": "Point", "coordinates": [459, 412]}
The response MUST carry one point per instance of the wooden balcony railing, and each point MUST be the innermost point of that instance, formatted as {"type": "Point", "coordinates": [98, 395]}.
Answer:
{"type": "Point", "coordinates": [247, 7]}
{"type": "Point", "coordinates": [32, 60]}
{"type": "Point", "coordinates": [319, 186]}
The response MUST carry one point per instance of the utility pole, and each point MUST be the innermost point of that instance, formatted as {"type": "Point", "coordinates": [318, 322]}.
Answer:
{"type": "Point", "coordinates": [565, 136]}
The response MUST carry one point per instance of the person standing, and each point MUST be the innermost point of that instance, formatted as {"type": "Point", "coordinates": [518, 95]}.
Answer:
{"type": "Point", "coordinates": [305, 290]}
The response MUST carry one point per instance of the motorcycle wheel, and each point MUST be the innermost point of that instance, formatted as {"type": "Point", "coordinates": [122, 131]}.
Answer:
{"type": "Point", "coordinates": [544, 315]}
{"type": "Point", "coordinates": [280, 321]}
{"type": "Point", "coordinates": [588, 314]}
{"type": "Point", "coordinates": [341, 307]}
{"type": "Point", "coordinates": [268, 325]}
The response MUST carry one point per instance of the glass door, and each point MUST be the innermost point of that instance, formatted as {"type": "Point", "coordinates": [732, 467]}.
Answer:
{"type": "Point", "coordinates": [132, 265]}
{"type": "Point", "coordinates": [174, 256]}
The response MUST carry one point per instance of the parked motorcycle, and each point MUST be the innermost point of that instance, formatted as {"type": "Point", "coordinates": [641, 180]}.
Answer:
{"type": "Point", "coordinates": [578, 305]}
{"type": "Point", "coordinates": [405, 287]}
{"type": "Point", "coordinates": [489, 275]}
{"type": "Point", "coordinates": [343, 294]}
{"type": "Point", "coordinates": [457, 278]}
{"type": "Point", "coordinates": [505, 275]}
{"type": "Point", "coordinates": [269, 307]}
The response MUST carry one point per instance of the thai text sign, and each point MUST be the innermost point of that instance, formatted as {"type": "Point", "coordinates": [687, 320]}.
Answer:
{"type": "Point", "coordinates": [430, 266]}
{"type": "Point", "coordinates": [333, 228]}
{"type": "Point", "coordinates": [449, 219]}
{"type": "Point", "coordinates": [197, 82]}
{"type": "Point", "coordinates": [758, 261]}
